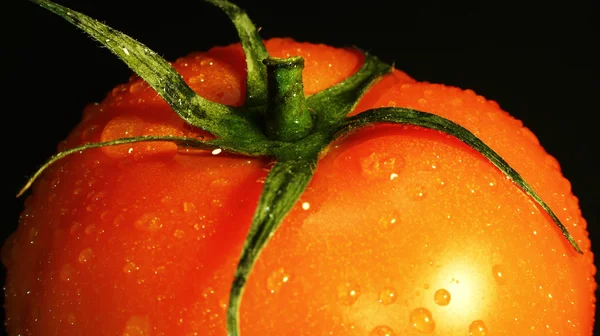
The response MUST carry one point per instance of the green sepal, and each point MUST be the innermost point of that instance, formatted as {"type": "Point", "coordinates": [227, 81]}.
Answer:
{"type": "Point", "coordinates": [399, 115]}
{"type": "Point", "coordinates": [284, 184]}
{"type": "Point", "coordinates": [181, 142]}
{"type": "Point", "coordinates": [255, 52]}
{"type": "Point", "coordinates": [221, 120]}
{"type": "Point", "coordinates": [333, 104]}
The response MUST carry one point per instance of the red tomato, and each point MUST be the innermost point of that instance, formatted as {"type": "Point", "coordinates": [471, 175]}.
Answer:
{"type": "Point", "coordinates": [402, 231]}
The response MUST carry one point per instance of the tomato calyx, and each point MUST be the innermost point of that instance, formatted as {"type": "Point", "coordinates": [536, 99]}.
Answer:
{"type": "Point", "coordinates": [276, 121]}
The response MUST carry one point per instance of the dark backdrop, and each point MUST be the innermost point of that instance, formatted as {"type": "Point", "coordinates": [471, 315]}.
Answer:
{"type": "Point", "coordinates": [539, 62]}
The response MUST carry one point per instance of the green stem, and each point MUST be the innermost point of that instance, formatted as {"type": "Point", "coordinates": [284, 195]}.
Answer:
{"type": "Point", "coordinates": [287, 118]}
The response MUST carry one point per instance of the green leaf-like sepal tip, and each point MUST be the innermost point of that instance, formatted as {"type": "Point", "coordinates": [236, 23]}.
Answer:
{"type": "Point", "coordinates": [284, 184]}
{"type": "Point", "coordinates": [333, 104]}
{"type": "Point", "coordinates": [399, 115]}
{"type": "Point", "coordinates": [255, 52]}
{"type": "Point", "coordinates": [181, 142]}
{"type": "Point", "coordinates": [276, 121]}
{"type": "Point", "coordinates": [221, 120]}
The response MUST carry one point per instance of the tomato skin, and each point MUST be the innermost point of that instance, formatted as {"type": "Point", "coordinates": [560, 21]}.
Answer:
{"type": "Point", "coordinates": [143, 240]}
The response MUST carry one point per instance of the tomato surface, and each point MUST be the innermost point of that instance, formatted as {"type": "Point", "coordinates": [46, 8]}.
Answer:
{"type": "Point", "coordinates": [402, 231]}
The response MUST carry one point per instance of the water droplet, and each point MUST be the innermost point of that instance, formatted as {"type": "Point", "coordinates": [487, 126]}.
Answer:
{"type": "Point", "coordinates": [552, 162]}
{"type": "Point", "coordinates": [442, 297]}
{"type": "Point", "coordinates": [32, 235]}
{"type": "Point", "coordinates": [118, 220]}
{"type": "Point", "coordinates": [527, 133]}
{"type": "Point", "coordinates": [166, 200]}
{"type": "Point", "coordinates": [130, 267]}
{"type": "Point", "coordinates": [178, 233]}
{"type": "Point", "coordinates": [390, 221]}
{"type": "Point", "coordinates": [197, 79]}
{"type": "Point", "coordinates": [137, 326]}
{"type": "Point", "coordinates": [89, 229]}
{"type": "Point", "coordinates": [305, 205]}
{"type": "Point", "coordinates": [388, 296]}
{"type": "Point", "coordinates": [189, 207]}
{"type": "Point", "coordinates": [71, 319]}
{"type": "Point", "coordinates": [382, 330]}
{"type": "Point", "coordinates": [421, 320]}
{"type": "Point", "coordinates": [148, 222]}
{"type": "Point", "coordinates": [477, 328]}
{"type": "Point", "coordinates": [116, 91]}
{"type": "Point", "coordinates": [208, 292]}
{"type": "Point", "coordinates": [276, 280]}
{"type": "Point", "coordinates": [90, 111]}
{"type": "Point", "coordinates": [138, 86]}
{"type": "Point", "coordinates": [66, 272]}
{"type": "Point", "coordinates": [206, 61]}
{"type": "Point", "coordinates": [85, 255]}
{"type": "Point", "coordinates": [431, 165]}
{"type": "Point", "coordinates": [90, 133]}
{"type": "Point", "coordinates": [418, 193]}
{"type": "Point", "coordinates": [219, 183]}
{"type": "Point", "coordinates": [348, 293]}
{"type": "Point", "coordinates": [377, 165]}
{"type": "Point", "coordinates": [499, 274]}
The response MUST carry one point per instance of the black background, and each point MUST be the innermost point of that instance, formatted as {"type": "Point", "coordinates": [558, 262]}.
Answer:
{"type": "Point", "coordinates": [538, 61]}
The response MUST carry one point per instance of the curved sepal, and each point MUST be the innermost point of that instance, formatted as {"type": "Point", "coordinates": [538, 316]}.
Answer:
{"type": "Point", "coordinates": [255, 52]}
{"type": "Point", "coordinates": [334, 103]}
{"type": "Point", "coordinates": [398, 115]}
{"type": "Point", "coordinates": [286, 181]}
{"type": "Point", "coordinates": [182, 142]}
{"type": "Point", "coordinates": [218, 119]}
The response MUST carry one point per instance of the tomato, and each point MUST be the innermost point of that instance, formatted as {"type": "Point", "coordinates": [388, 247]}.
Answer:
{"type": "Point", "coordinates": [402, 230]}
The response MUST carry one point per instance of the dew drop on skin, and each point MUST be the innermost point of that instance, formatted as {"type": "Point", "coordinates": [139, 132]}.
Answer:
{"type": "Point", "coordinates": [85, 255]}
{"type": "Point", "coordinates": [477, 328]}
{"type": "Point", "coordinates": [348, 293]}
{"type": "Point", "coordinates": [388, 296]}
{"type": "Point", "coordinates": [390, 220]}
{"type": "Point", "coordinates": [148, 222]}
{"type": "Point", "coordinates": [276, 280]}
{"type": "Point", "coordinates": [67, 272]}
{"type": "Point", "coordinates": [499, 274]}
{"type": "Point", "coordinates": [137, 326]}
{"type": "Point", "coordinates": [382, 330]}
{"type": "Point", "coordinates": [422, 320]}
{"type": "Point", "coordinates": [380, 166]}
{"type": "Point", "coordinates": [442, 297]}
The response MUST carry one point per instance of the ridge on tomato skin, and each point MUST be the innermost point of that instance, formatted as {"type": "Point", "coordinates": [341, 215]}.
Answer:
{"type": "Point", "coordinates": [340, 258]}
